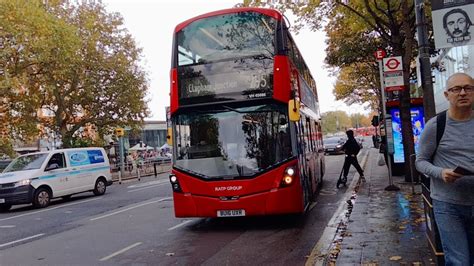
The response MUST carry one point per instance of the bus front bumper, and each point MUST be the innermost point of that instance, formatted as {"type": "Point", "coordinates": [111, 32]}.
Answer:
{"type": "Point", "coordinates": [276, 201]}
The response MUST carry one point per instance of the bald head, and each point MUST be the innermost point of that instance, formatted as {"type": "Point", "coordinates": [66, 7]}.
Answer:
{"type": "Point", "coordinates": [456, 77]}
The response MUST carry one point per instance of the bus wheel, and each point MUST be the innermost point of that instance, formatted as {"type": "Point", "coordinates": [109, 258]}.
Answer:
{"type": "Point", "coordinates": [42, 198]}
{"type": "Point", "coordinates": [5, 207]}
{"type": "Point", "coordinates": [100, 187]}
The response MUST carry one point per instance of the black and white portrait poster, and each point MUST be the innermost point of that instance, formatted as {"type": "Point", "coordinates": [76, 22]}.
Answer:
{"type": "Point", "coordinates": [452, 22]}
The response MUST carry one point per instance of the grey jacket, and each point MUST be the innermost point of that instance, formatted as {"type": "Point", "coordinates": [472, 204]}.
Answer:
{"type": "Point", "coordinates": [456, 148]}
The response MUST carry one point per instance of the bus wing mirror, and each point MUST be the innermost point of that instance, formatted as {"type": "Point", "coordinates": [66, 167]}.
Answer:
{"type": "Point", "coordinates": [294, 110]}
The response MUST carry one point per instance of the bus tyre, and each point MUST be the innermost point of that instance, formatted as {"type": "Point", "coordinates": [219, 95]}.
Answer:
{"type": "Point", "coordinates": [5, 207]}
{"type": "Point", "coordinates": [42, 198]}
{"type": "Point", "coordinates": [100, 187]}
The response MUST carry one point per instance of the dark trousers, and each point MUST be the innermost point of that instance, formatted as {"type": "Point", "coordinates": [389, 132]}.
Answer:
{"type": "Point", "coordinates": [347, 164]}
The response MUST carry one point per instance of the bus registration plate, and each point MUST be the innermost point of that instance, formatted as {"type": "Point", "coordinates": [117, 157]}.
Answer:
{"type": "Point", "coordinates": [230, 213]}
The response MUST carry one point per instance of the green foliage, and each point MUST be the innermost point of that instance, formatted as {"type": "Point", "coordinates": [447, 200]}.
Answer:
{"type": "Point", "coordinates": [78, 142]}
{"type": "Point", "coordinates": [335, 121]}
{"type": "Point", "coordinates": [6, 147]}
{"type": "Point", "coordinates": [74, 61]}
{"type": "Point", "coordinates": [358, 83]}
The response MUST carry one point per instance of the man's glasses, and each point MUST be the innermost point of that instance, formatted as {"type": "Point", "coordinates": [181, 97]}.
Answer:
{"type": "Point", "coordinates": [458, 89]}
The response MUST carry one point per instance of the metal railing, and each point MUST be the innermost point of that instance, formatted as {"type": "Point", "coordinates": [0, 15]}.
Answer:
{"type": "Point", "coordinates": [137, 169]}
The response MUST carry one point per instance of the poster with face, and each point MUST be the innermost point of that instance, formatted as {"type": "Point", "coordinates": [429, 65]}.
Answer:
{"type": "Point", "coordinates": [452, 22]}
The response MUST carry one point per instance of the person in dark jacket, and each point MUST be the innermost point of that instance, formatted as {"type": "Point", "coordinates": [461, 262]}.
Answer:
{"type": "Point", "coordinates": [351, 148]}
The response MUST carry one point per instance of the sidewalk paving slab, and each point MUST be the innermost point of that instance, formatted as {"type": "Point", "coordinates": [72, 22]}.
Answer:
{"type": "Point", "coordinates": [385, 227]}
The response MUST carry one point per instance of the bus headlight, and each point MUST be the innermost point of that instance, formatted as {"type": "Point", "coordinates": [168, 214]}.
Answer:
{"type": "Point", "coordinates": [174, 183]}
{"type": "Point", "coordinates": [288, 177]}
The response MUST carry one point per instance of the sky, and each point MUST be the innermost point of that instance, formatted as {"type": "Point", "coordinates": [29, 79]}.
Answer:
{"type": "Point", "coordinates": [152, 22]}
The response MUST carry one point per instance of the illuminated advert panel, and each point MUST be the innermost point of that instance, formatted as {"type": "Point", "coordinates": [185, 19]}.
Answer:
{"type": "Point", "coordinates": [418, 125]}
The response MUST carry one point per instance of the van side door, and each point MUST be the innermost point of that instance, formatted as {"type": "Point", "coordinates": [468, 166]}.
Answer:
{"type": "Point", "coordinates": [57, 175]}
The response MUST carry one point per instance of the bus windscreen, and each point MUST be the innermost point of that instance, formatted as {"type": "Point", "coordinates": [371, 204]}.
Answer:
{"type": "Point", "coordinates": [232, 143]}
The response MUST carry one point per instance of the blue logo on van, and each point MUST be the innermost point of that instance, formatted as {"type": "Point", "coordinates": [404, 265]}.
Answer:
{"type": "Point", "coordinates": [79, 158]}
{"type": "Point", "coordinates": [96, 156]}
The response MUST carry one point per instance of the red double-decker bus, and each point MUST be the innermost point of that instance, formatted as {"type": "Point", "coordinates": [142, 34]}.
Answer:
{"type": "Point", "coordinates": [245, 117]}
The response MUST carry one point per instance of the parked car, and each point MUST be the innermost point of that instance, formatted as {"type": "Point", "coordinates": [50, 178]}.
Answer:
{"type": "Point", "coordinates": [333, 145]}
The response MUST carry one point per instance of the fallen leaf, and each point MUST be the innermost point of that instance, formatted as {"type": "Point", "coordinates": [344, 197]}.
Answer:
{"type": "Point", "coordinates": [395, 258]}
{"type": "Point", "coordinates": [170, 254]}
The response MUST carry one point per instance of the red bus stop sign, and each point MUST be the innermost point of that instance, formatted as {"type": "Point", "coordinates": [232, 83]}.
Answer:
{"type": "Point", "coordinates": [380, 54]}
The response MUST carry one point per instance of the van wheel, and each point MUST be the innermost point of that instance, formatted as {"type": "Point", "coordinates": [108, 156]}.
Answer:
{"type": "Point", "coordinates": [100, 187]}
{"type": "Point", "coordinates": [5, 207]}
{"type": "Point", "coordinates": [42, 198]}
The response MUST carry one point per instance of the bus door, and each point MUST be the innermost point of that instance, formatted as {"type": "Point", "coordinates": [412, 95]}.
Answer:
{"type": "Point", "coordinates": [303, 160]}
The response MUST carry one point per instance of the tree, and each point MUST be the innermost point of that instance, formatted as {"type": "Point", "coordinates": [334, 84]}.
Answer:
{"type": "Point", "coordinates": [31, 41]}
{"type": "Point", "coordinates": [85, 73]}
{"type": "Point", "coordinates": [391, 21]}
{"type": "Point", "coordinates": [335, 121]}
{"type": "Point", "coordinates": [357, 84]}
{"type": "Point", "coordinates": [6, 147]}
{"type": "Point", "coordinates": [349, 53]}
{"type": "Point", "coordinates": [359, 120]}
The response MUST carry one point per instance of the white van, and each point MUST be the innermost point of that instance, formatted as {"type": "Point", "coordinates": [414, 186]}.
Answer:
{"type": "Point", "coordinates": [38, 177]}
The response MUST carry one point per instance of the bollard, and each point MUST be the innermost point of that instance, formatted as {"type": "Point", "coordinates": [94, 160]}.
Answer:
{"type": "Point", "coordinates": [154, 167]}
{"type": "Point", "coordinates": [120, 175]}
{"type": "Point", "coordinates": [138, 172]}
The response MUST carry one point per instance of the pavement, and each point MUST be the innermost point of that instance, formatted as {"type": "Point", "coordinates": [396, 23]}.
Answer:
{"type": "Point", "coordinates": [381, 227]}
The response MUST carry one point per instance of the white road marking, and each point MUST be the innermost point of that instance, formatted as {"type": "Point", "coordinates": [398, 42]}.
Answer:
{"type": "Point", "coordinates": [138, 189]}
{"type": "Point", "coordinates": [49, 209]}
{"type": "Point", "coordinates": [179, 225]}
{"type": "Point", "coordinates": [20, 240]}
{"type": "Point", "coordinates": [130, 208]}
{"type": "Point", "coordinates": [120, 251]}
{"type": "Point", "coordinates": [7, 226]}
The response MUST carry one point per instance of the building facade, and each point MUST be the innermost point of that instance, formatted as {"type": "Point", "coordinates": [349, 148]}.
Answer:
{"type": "Point", "coordinates": [450, 61]}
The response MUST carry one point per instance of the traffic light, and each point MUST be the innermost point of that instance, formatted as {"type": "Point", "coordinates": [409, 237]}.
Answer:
{"type": "Point", "coordinates": [119, 132]}
{"type": "Point", "coordinates": [375, 120]}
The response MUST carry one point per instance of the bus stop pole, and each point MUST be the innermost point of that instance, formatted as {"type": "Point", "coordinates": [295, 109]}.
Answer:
{"type": "Point", "coordinates": [391, 186]}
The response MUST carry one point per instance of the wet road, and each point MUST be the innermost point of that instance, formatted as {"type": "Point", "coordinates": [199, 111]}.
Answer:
{"type": "Point", "coordinates": [134, 223]}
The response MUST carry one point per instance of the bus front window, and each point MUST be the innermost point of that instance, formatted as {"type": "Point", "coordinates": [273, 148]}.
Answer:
{"type": "Point", "coordinates": [226, 37]}
{"type": "Point", "coordinates": [229, 144]}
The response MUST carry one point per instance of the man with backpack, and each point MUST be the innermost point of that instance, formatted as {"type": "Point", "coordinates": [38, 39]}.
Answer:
{"type": "Point", "coordinates": [351, 148]}
{"type": "Point", "coordinates": [446, 156]}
